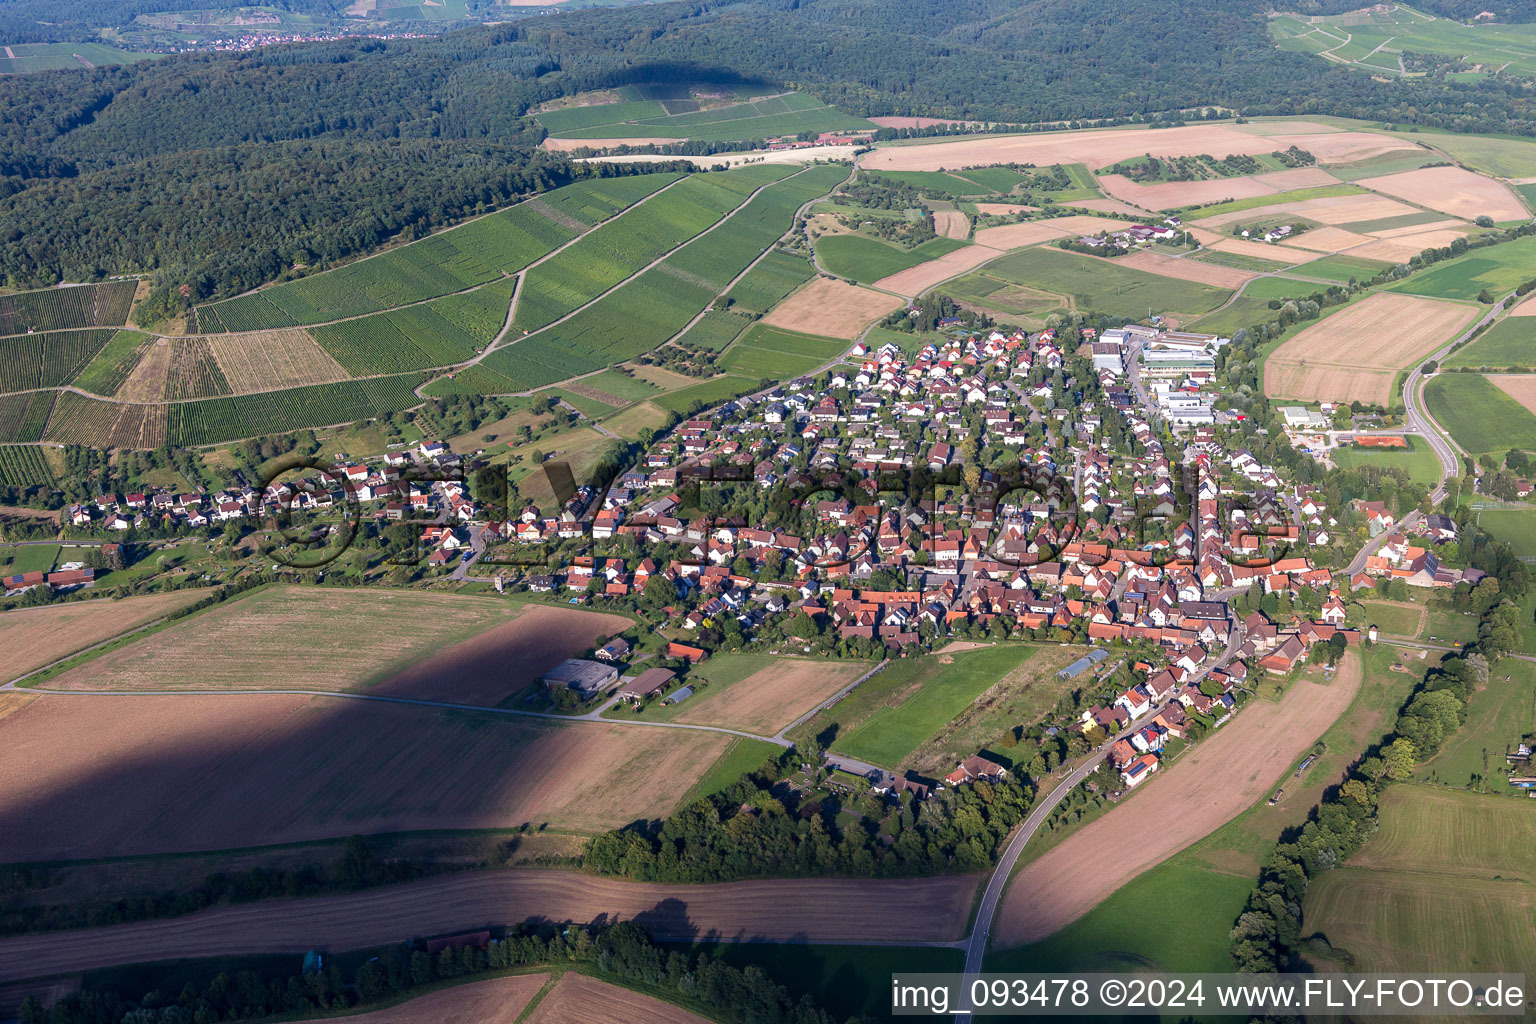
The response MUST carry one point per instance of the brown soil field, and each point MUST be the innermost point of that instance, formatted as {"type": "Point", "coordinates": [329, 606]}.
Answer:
{"type": "Point", "coordinates": [265, 360]}
{"type": "Point", "coordinates": [952, 224]}
{"type": "Point", "coordinates": [38, 636]}
{"type": "Point", "coordinates": [770, 699]}
{"type": "Point", "coordinates": [1519, 386]}
{"type": "Point", "coordinates": [810, 909]}
{"type": "Point", "coordinates": [93, 776]}
{"type": "Point", "coordinates": [1211, 783]}
{"type": "Point", "coordinates": [147, 381]}
{"type": "Point", "coordinates": [588, 391]}
{"type": "Point", "coordinates": [1357, 352]}
{"type": "Point", "coordinates": [1450, 224]}
{"type": "Point", "coordinates": [1008, 209]}
{"type": "Point", "coordinates": [474, 650]}
{"type": "Point", "coordinates": [579, 999]}
{"type": "Point", "coordinates": [12, 701]}
{"type": "Point", "coordinates": [1263, 250]}
{"type": "Point", "coordinates": [500, 1001]}
{"type": "Point", "coordinates": [1525, 307]}
{"type": "Point", "coordinates": [1015, 236]}
{"type": "Point", "coordinates": [568, 145]}
{"type": "Point", "coordinates": [1328, 240]}
{"type": "Point", "coordinates": [918, 279]}
{"type": "Point", "coordinates": [1186, 270]}
{"type": "Point", "coordinates": [1453, 190]}
{"type": "Point", "coordinates": [1328, 210]}
{"type": "Point", "coordinates": [1404, 247]}
{"type": "Point", "coordinates": [1108, 206]}
{"type": "Point", "coordinates": [1296, 177]}
{"type": "Point", "coordinates": [831, 308]}
{"type": "Point", "coordinates": [1169, 195]}
{"type": "Point", "coordinates": [1102, 147]}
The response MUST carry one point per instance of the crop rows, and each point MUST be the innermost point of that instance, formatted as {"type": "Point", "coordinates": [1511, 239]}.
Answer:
{"type": "Point", "coordinates": [47, 360]}
{"type": "Point", "coordinates": [656, 305]}
{"type": "Point", "coordinates": [596, 199]}
{"type": "Point", "coordinates": [405, 339]}
{"type": "Point", "coordinates": [23, 416]}
{"type": "Point", "coordinates": [277, 412]}
{"type": "Point", "coordinates": [619, 248]}
{"type": "Point", "coordinates": [92, 305]}
{"type": "Point", "coordinates": [194, 371]}
{"type": "Point", "coordinates": [472, 380]}
{"type": "Point", "coordinates": [717, 329]}
{"type": "Point", "coordinates": [101, 424]}
{"type": "Point", "coordinates": [23, 466]}
{"type": "Point", "coordinates": [767, 283]}
{"type": "Point", "coordinates": [481, 313]}
{"type": "Point", "coordinates": [607, 113]}
{"type": "Point", "coordinates": [105, 373]}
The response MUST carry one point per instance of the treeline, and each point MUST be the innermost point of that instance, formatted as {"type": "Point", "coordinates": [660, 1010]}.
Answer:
{"type": "Point", "coordinates": [759, 826]}
{"type": "Point", "coordinates": [622, 952]}
{"type": "Point", "coordinates": [1268, 934]}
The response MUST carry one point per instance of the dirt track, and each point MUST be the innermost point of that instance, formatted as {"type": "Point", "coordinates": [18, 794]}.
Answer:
{"type": "Point", "coordinates": [829, 909]}
{"type": "Point", "coordinates": [1211, 784]}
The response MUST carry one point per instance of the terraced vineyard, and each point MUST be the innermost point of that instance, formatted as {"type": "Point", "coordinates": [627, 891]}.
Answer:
{"type": "Point", "coordinates": [23, 416]}
{"type": "Point", "coordinates": [23, 466]}
{"type": "Point", "coordinates": [92, 305]}
{"type": "Point", "coordinates": [47, 360]}
{"type": "Point", "coordinates": [619, 248]}
{"type": "Point", "coordinates": [655, 306]}
{"type": "Point", "coordinates": [455, 260]}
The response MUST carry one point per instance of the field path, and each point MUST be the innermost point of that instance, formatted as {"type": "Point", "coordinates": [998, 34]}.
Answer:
{"type": "Point", "coordinates": [1209, 785]}
{"type": "Point", "coordinates": [908, 911]}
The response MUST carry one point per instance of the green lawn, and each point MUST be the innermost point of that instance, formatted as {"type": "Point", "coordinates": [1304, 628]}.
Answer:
{"type": "Point", "coordinates": [861, 258]}
{"type": "Point", "coordinates": [1498, 268]}
{"type": "Point", "coordinates": [1479, 416]}
{"type": "Point", "coordinates": [1498, 716]}
{"type": "Point", "coordinates": [1512, 525]}
{"type": "Point", "coordinates": [1419, 460]}
{"type": "Point", "coordinates": [621, 385]}
{"type": "Point", "coordinates": [765, 351]}
{"type": "Point", "coordinates": [1447, 625]}
{"type": "Point", "coordinates": [1394, 619]}
{"type": "Point", "coordinates": [30, 558]}
{"type": "Point", "coordinates": [942, 691]}
{"type": "Point", "coordinates": [710, 392]}
{"type": "Point", "coordinates": [1510, 342]}
{"type": "Point", "coordinates": [742, 756]}
{"type": "Point", "coordinates": [1256, 202]}
{"type": "Point", "coordinates": [1267, 288]}
{"type": "Point", "coordinates": [1341, 268]}
{"type": "Point", "coordinates": [1103, 286]}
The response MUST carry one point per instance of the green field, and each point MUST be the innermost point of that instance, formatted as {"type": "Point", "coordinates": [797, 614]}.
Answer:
{"type": "Point", "coordinates": [1512, 525]}
{"type": "Point", "coordinates": [30, 57]}
{"type": "Point", "coordinates": [710, 392]}
{"type": "Point", "coordinates": [1239, 261]}
{"type": "Point", "coordinates": [939, 693]}
{"type": "Point", "coordinates": [1499, 716]}
{"type": "Point", "coordinates": [31, 558]}
{"type": "Point", "coordinates": [1341, 268]}
{"type": "Point", "coordinates": [1479, 417]}
{"type": "Point", "coordinates": [1243, 312]}
{"type": "Point", "coordinates": [1499, 156]}
{"type": "Point", "coordinates": [1366, 40]}
{"type": "Point", "coordinates": [1101, 285]}
{"type": "Point", "coordinates": [1441, 886]}
{"type": "Point", "coordinates": [861, 258]}
{"type": "Point", "coordinates": [53, 309]}
{"type": "Point", "coordinates": [765, 351]}
{"type": "Point", "coordinates": [1294, 196]}
{"type": "Point", "coordinates": [778, 274]}
{"type": "Point", "coordinates": [1390, 618]}
{"type": "Point", "coordinates": [105, 373]}
{"type": "Point", "coordinates": [1498, 268]}
{"type": "Point", "coordinates": [571, 118]}
{"type": "Point", "coordinates": [1267, 288]}
{"type": "Point", "coordinates": [23, 466]}
{"type": "Point", "coordinates": [48, 359]}
{"type": "Point", "coordinates": [772, 116]}
{"type": "Point", "coordinates": [716, 329]}
{"type": "Point", "coordinates": [622, 385]}
{"type": "Point", "coordinates": [1510, 342]}
{"type": "Point", "coordinates": [276, 412]}
{"type": "Point", "coordinates": [1419, 460]}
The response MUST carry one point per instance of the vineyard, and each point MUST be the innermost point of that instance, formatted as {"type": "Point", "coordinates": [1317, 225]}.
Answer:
{"type": "Point", "coordinates": [452, 261]}
{"type": "Point", "coordinates": [104, 374]}
{"type": "Point", "coordinates": [767, 283]}
{"type": "Point", "coordinates": [481, 313]}
{"type": "Point", "coordinates": [405, 339]}
{"type": "Point", "coordinates": [276, 412]}
{"type": "Point", "coordinates": [273, 359]}
{"type": "Point", "coordinates": [90, 305]}
{"type": "Point", "coordinates": [717, 329]}
{"type": "Point", "coordinates": [472, 380]}
{"type": "Point", "coordinates": [194, 372]}
{"type": "Point", "coordinates": [23, 416]}
{"type": "Point", "coordinates": [23, 466]}
{"type": "Point", "coordinates": [621, 247]}
{"type": "Point", "coordinates": [47, 360]}
{"type": "Point", "coordinates": [100, 424]}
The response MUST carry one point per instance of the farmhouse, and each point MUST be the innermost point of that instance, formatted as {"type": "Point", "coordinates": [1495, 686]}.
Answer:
{"type": "Point", "coordinates": [646, 685]}
{"type": "Point", "coordinates": [585, 677]}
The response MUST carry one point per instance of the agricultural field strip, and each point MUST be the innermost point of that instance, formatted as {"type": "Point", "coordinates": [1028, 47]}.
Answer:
{"type": "Point", "coordinates": [654, 263]}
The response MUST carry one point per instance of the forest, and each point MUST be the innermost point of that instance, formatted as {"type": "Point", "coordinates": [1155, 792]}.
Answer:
{"type": "Point", "coordinates": [215, 172]}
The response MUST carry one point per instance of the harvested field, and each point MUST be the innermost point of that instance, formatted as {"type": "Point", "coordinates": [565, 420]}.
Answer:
{"type": "Point", "coordinates": [569, 145]}
{"type": "Point", "coordinates": [918, 279]}
{"type": "Point", "coordinates": [1009, 209]}
{"type": "Point", "coordinates": [811, 909]}
{"type": "Point", "coordinates": [1525, 307]}
{"type": "Point", "coordinates": [467, 650]}
{"type": "Point", "coordinates": [1418, 229]}
{"type": "Point", "coordinates": [951, 224]}
{"type": "Point", "coordinates": [1012, 236]}
{"type": "Point", "coordinates": [1263, 250]}
{"type": "Point", "coordinates": [832, 308]}
{"type": "Point", "coordinates": [770, 699]}
{"type": "Point", "coordinates": [147, 381]}
{"type": "Point", "coordinates": [1328, 240]}
{"type": "Point", "coordinates": [1248, 755]}
{"type": "Point", "coordinates": [1186, 270]}
{"type": "Point", "coordinates": [1404, 247]}
{"type": "Point", "coordinates": [1327, 210]}
{"type": "Point", "coordinates": [1519, 386]}
{"type": "Point", "coordinates": [267, 360]}
{"type": "Point", "coordinates": [1296, 177]}
{"type": "Point", "coordinates": [1453, 190]}
{"type": "Point", "coordinates": [500, 1001]}
{"type": "Point", "coordinates": [35, 637]}
{"type": "Point", "coordinates": [1356, 352]}
{"type": "Point", "coordinates": [1170, 195]}
{"type": "Point", "coordinates": [1102, 147]}
{"type": "Point", "coordinates": [579, 999]}
{"type": "Point", "coordinates": [96, 776]}
{"type": "Point", "coordinates": [1108, 206]}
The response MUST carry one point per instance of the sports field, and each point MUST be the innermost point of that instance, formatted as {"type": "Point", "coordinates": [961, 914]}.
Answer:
{"type": "Point", "coordinates": [1479, 416]}
{"type": "Point", "coordinates": [1510, 342]}
{"type": "Point", "coordinates": [1354, 354]}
